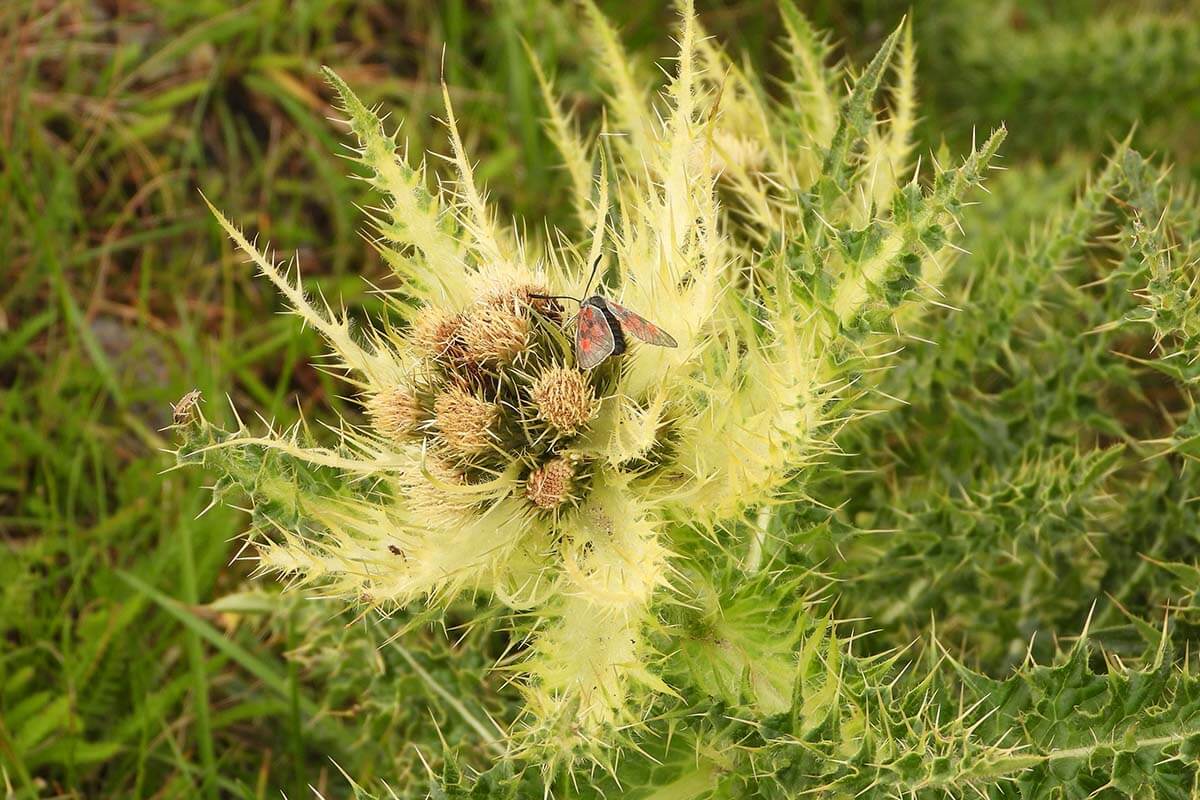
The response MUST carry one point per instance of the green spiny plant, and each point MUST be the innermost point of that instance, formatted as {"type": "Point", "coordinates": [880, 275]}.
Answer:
{"type": "Point", "coordinates": [660, 532]}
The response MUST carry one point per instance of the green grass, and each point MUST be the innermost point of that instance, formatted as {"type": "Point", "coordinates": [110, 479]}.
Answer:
{"type": "Point", "coordinates": [117, 675]}
{"type": "Point", "coordinates": [135, 659]}
{"type": "Point", "coordinates": [116, 679]}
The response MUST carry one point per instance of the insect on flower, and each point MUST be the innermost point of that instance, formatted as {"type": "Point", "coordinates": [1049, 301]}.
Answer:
{"type": "Point", "coordinates": [601, 326]}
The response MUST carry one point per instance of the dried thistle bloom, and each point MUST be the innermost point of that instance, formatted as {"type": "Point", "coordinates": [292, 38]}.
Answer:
{"type": "Point", "coordinates": [435, 333]}
{"type": "Point", "coordinates": [495, 329]}
{"type": "Point", "coordinates": [564, 399]}
{"type": "Point", "coordinates": [549, 486]}
{"type": "Point", "coordinates": [463, 420]}
{"type": "Point", "coordinates": [395, 412]}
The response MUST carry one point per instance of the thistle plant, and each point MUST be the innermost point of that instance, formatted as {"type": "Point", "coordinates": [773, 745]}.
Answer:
{"type": "Point", "coordinates": [652, 527]}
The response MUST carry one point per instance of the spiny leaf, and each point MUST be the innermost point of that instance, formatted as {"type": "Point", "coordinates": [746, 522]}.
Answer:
{"type": "Point", "coordinates": [415, 218]}
{"type": "Point", "coordinates": [857, 114]}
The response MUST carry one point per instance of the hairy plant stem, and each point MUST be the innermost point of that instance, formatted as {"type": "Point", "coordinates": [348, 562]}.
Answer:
{"type": "Point", "coordinates": [753, 561]}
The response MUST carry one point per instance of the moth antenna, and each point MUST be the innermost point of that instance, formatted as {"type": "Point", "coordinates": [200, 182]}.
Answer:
{"type": "Point", "coordinates": [588, 285]}
{"type": "Point", "coordinates": [595, 266]}
{"type": "Point", "coordinates": [556, 297]}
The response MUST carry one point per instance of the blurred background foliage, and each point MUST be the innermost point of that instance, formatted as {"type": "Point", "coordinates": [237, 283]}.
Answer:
{"type": "Point", "coordinates": [135, 657]}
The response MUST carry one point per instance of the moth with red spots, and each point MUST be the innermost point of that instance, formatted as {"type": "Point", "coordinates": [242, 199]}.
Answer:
{"type": "Point", "coordinates": [602, 325]}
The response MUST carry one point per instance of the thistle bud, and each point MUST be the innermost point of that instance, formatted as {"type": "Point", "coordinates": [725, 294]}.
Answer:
{"type": "Point", "coordinates": [564, 399]}
{"type": "Point", "coordinates": [549, 486]}
{"type": "Point", "coordinates": [394, 413]}
{"type": "Point", "coordinates": [436, 334]}
{"type": "Point", "coordinates": [464, 420]}
{"type": "Point", "coordinates": [538, 298]}
{"type": "Point", "coordinates": [495, 329]}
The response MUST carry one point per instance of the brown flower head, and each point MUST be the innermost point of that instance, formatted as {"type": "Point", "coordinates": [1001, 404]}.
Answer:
{"type": "Point", "coordinates": [464, 420]}
{"type": "Point", "coordinates": [538, 298]}
{"type": "Point", "coordinates": [394, 413]}
{"type": "Point", "coordinates": [549, 486]}
{"type": "Point", "coordinates": [436, 334]}
{"type": "Point", "coordinates": [564, 399]}
{"type": "Point", "coordinates": [495, 329]}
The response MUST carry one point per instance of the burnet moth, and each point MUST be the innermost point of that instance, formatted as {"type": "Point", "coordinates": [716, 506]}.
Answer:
{"type": "Point", "coordinates": [602, 325]}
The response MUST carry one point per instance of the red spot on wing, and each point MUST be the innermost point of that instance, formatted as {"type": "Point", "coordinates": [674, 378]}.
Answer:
{"type": "Point", "coordinates": [640, 327]}
{"type": "Point", "coordinates": [594, 340]}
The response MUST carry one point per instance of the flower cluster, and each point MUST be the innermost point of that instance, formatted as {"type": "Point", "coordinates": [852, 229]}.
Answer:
{"type": "Point", "coordinates": [489, 396]}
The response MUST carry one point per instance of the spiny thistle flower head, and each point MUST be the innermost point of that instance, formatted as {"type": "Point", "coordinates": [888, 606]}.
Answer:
{"type": "Point", "coordinates": [436, 334]}
{"type": "Point", "coordinates": [574, 497]}
{"type": "Point", "coordinates": [463, 420]}
{"type": "Point", "coordinates": [549, 486]}
{"type": "Point", "coordinates": [436, 489]}
{"type": "Point", "coordinates": [394, 412]}
{"type": "Point", "coordinates": [496, 327]}
{"type": "Point", "coordinates": [563, 397]}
